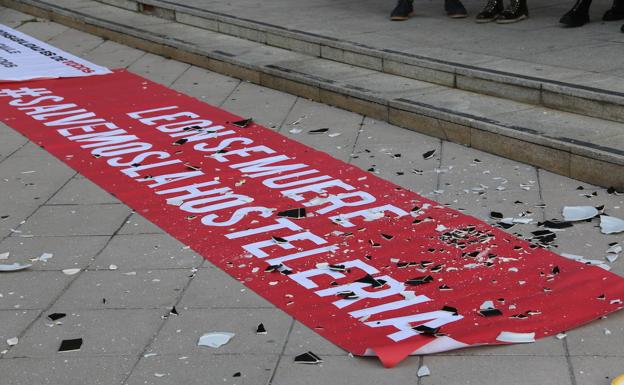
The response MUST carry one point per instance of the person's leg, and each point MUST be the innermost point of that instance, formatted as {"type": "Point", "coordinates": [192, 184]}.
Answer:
{"type": "Point", "coordinates": [455, 9]}
{"type": "Point", "coordinates": [403, 10]}
{"type": "Point", "coordinates": [490, 12]}
{"type": "Point", "coordinates": [516, 11]}
{"type": "Point", "coordinates": [578, 15]}
{"type": "Point", "coordinates": [616, 12]}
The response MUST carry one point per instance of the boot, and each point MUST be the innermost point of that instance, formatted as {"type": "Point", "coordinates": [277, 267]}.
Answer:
{"type": "Point", "coordinates": [516, 11]}
{"type": "Point", "coordinates": [455, 9]}
{"type": "Point", "coordinates": [578, 15]}
{"type": "Point", "coordinates": [403, 10]}
{"type": "Point", "coordinates": [616, 12]}
{"type": "Point", "coordinates": [490, 12]}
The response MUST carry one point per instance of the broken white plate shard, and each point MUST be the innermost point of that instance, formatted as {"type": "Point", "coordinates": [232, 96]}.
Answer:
{"type": "Point", "coordinates": [581, 259]}
{"type": "Point", "coordinates": [441, 228]}
{"type": "Point", "coordinates": [516, 338]}
{"type": "Point", "coordinates": [147, 355]}
{"type": "Point", "coordinates": [71, 271]}
{"type": "Point", "coordinates": [335, 134]}
{"type": "Point", "coordinates": [14, 267]}
{"type": "Point", "coordinates": [612, 257]}
{"type": "Point", "coordinates": [611, 225]}
{"type": "Point", "coordinates": [45, 256]}
{"type": "Point", "coordinates": [12, 341]}
{"type": "Point", "coordinates": [487, 305]}
{"type": "Point", "coordinates": [615, 249]}
{"type": "Point", "coordinates": [112, 267]}
{"type": "Point", "coordinates": [296, 131]}
{"type": "Point", "coordinates": [561, 336]}
{"type": "Point", "coordinates": [215, 340]}
{"type": "Point", "coordinates": [579, 213]}
{"type": "Point", "coordinates": [5, 255]}
{"type": "Point", "coordinates": [423, 371]}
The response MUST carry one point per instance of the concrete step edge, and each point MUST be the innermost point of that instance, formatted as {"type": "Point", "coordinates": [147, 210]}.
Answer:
{"type": "Point", "coordinates": [564, 96]}
{"type": "Point", "coordinates": [567, 156]}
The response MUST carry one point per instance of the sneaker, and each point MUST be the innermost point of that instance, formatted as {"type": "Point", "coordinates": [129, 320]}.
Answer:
{"type": "Point", "coordinates": [490, 12]}
{"type": "Point", "coordinates": [455, 9]}
{"type": "Point", "coordinates": [516, 11]}
{"type": "Point", "coordinates": [578, 15]}
{"type": "Point", "coordinates": [403, 10]}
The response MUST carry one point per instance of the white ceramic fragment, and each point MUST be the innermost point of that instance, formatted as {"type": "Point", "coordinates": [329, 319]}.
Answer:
{"type": "Point", "coordinates": [516, 338]}
{"type": "Point", "coordinates": [423, 371]}
{"type": "Point", "coordinates": [5, 255]}
{"type": "Point", "coordinates": [14, 267]}
{"type": "Point", "coordinates": [615, 249]}
{"type": "Point", "coordinates": [611, 225]}
{"type": "Point", "coordinates": [612, 257]}
{"type": "Point", "coordinates": [12, 341]}
{"type": "Point", "coordinates": [71, 271]}
{"type": "Point", "coordinates": [215, 340]}
{"type": "Point", "coordinates": [579, 213]}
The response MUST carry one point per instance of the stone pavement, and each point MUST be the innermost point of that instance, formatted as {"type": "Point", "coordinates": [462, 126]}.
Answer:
{"type": "Point", "coordinates": [47, 208]}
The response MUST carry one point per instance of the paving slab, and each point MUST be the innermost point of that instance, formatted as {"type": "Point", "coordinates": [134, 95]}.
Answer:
{"type": "Point", "coordinates": [67, 252]}
{"type": "Point", "coordinates": [194, 368]}
{"type": "Point", "coordinates": [180, 333]}
{"type": "Point", "coordinates": [144, 252]}
{"type": "Point", "coordinates": [213, 288]}
{"type": "Point", "coordinates": [63, 370]}
{"type": "Point", "coordinates": [344, 370]}
{"type": "Point", "coordinates": [113, 55]}
{"type": "Point", "coordinates": [145, 289]}
{"type": "Point", "coordinates": [104, 333]}
{"type": "Point", "coordinates": [494, 370]}
{"type": "Point", "coordinates": [593, 370]}
{"type": "Point", "coordinates": [81, 191]}
{"type": "Point", "coordinates": [14, 322]}
{"type": "Point", "coordinates": [60, 220]}
{"type": "Point", "coordinates": [31, 289]}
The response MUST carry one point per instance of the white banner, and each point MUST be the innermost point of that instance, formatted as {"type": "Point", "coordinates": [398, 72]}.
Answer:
{"type": "Point", "coordinates": [23, 57]}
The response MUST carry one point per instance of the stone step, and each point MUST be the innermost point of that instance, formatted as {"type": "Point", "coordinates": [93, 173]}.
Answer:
{"type": "Point", "coordinates": [573, 145]}
{"type": "Point", "coordinates": [561, 88]}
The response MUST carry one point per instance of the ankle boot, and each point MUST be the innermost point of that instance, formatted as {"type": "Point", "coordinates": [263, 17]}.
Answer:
{"type": "Point", "coordinates": [403, 10]}
{"type": "Point", "coordinates": [490, 12]}
{"type": "Point", "coordinates": [616, 12]}
{"type": "Point", "coordinates": [516, 11]}
{"type": "Point", "coordinates": [578, 15]}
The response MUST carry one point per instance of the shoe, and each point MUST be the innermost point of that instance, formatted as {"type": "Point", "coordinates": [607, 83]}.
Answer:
{"type": "Point", "coordinates": [616, 12]}
{"type": "Point", "coordinates": [490, 12]}
{"type": "Point", "coordinates": [516, 11]}
{"type": "Point", "coordinates": [455, 9]}
{"type": "Point", "coordinates": [403, 10]}
{"type": "Point", "coordinates": [578, 15]}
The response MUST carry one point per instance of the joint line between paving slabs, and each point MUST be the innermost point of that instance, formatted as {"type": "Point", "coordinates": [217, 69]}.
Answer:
{"type": "Point", "coordinates": [569, 361]}
{"type": "Point", "coordinates": [160, 327]}
{"type": "Point", "coordinates": [439, 174]}
{"type": "Point", "coordinates": [41, 205]}
{"type": "Point", "coordinates": [357, 138]}
{"type": "Point", "coordinates": [231, 93]}
{"type": "Point", "coordinates": [290, 109]}
{"type": "Point", "coordinates": [17, 149]}
{"type": "Point", "coordinates": [71, 281]}
{"type": "Point", "coordinates": [421, 362]}
{"type": "Point", "coordinates": [279, 357]}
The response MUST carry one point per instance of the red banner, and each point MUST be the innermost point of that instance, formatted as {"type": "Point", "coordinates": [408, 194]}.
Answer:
{"type": "Point", "coordinates": [372, 267]}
